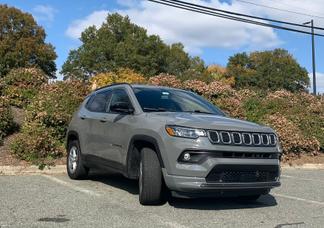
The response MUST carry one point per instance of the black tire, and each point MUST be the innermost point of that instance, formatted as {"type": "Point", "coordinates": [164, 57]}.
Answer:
{"type": "Point", "coordinates": [79, 171]}
{"type": "Point", "coordinates": [150, 178]}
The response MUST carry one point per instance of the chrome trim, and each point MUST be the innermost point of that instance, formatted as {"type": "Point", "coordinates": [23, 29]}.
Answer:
{"type": "Point", "coordinates": [266, 135]}
{"type": "Point", "coordinates": [275, 139]}
{"type": "Point", "coordinates": [260, 142]}
{"type": "Point", "coordinates": [210, 139]}
{"type": "Point", "coordinates": [240, 136]}
{"type": "Point", "coordinates": [249, 137]}
{"type": "Point", "coordinates": [229, 136]}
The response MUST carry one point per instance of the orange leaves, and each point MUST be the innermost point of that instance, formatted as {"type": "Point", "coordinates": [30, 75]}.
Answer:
{"type": "Point", "coordinates": [122, 75]}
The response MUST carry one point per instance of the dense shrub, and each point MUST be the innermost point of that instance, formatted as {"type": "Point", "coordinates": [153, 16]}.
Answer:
{"type": "Point", "coordinates": [42, 136]}
{"type": "Point", "coordinates": [165, 80]}
{"type": "Point", "coordinates": [292, 138]}
{"type": "Point", "coordinates": [22, 84]}
{"type": "Point", "coordinates": [219, 73]}
{"type": "Point", "coordinates": [6, 119]}
{"type": "Point", "coordinates": [55, 104]}
{"type": "Point", "coordinates": [122, 75]}
{"type": "Point", "coordinates": [298, 118]}
{"type": "Point", "coordinates": [36, 143]}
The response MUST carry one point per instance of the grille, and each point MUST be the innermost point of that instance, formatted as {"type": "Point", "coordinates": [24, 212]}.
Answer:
{"type": "Point", "coordinates": [225, 137]}
{"type": "Point", "coordinates": [237, 138]}
{"type": "Point", "coordinates": [214, 136]}
{"type": "Point", "coordinates": [242, 138]}
{"type": "Point", "coordinates": [250, 155]}
{"type": "Point", "coordinates": [243, 173]}
{"type": "Point", "coordinates": [242, 176]}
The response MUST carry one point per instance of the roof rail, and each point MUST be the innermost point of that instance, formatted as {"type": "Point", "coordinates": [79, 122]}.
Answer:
{"type": "Point", "coordinates": [114, 84]}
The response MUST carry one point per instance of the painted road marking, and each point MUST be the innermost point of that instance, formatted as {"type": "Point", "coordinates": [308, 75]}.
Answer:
{"type": "Point", "coordinates": [298, 199]}
{"type": "Point", "coordinates": [300, 178]}
{"type": "Point", "coordinates": [67, 184]}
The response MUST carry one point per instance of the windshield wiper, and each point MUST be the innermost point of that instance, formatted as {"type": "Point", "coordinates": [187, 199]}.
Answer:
{"type": "Point", "coordinates": [154, 109]}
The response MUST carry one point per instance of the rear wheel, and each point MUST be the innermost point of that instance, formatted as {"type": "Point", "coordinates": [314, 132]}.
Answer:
{"type": "Point", "coordinates": [150, 178]}
{"type": "Point", "coordinates": [75, 168]}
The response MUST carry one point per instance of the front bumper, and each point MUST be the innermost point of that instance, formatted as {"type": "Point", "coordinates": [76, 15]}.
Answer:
{"type": "Point", "coordinates": [199, 185]}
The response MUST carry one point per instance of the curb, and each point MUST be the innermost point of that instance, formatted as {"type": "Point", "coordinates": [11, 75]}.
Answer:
{"type": "Point", "coordinates": [304, 167]}
{"type": "Point", "coordinates": [31, 170]}
{"type": "Point", "coordinates": [61, 169]}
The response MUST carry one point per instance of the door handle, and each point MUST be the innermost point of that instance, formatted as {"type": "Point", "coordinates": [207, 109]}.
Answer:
{"type": "Point", "coordinates": [83, 117]}
{"type": "Point", "coordinates": [103, 120]}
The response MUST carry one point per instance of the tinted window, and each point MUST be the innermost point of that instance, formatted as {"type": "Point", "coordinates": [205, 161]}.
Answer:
{"type": "Point", "coordinates": [171, 100]}
{"type": "Point", "coordinates": [119, 96]}
{"type": "Point", "coordinates": [99, 102]}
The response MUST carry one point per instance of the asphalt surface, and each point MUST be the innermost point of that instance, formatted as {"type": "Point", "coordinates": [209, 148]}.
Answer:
{"type": "Point", "coordinates": [109, 200]}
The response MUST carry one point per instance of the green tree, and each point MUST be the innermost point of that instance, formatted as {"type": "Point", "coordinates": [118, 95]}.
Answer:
{"type": "Point", "coordinates": [22, 43]}
{"type": "Point", "coordinates": [118, 43]}
{"type": "Point", "coordinates": [272, 70]}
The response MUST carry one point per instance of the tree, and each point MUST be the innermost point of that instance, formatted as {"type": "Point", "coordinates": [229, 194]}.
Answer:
{"type": "Point", "coordinates": [22, 43]}
{"type": "Point", "coordinates": [272, 70]}
{"type": "Point", "coordinates": [118, 43]}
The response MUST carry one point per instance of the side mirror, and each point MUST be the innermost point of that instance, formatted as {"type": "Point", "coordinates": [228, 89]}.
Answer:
{"type": "Point", "coordinates": [122, 107]}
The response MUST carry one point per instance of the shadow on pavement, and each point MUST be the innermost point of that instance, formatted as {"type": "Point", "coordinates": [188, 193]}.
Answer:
{"type": "Point", "coordinates": [131, 186]}
{"type": "Point", "coordinates": [222, 203]}
{"type": "Point", "coordinates": [116, 180]}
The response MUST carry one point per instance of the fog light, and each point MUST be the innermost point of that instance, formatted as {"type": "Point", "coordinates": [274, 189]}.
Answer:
{"type": "Point", "coordinates": [186, 157]}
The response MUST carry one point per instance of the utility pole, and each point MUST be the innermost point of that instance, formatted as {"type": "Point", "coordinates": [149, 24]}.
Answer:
{"type": "Point", "coordinates": [313, 54]}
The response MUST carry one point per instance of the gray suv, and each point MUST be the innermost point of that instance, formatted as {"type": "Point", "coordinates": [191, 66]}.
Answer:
{"type": "Point", "coordinates": [172, 141]}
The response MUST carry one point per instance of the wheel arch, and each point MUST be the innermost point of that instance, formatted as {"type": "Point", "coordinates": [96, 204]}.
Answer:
{"type": "Point", "coordinates": [71, 135]}
{"type": "Point", "coordinates": [138, 142]}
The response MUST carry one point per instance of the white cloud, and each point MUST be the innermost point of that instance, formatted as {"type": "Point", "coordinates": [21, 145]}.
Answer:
{"type": "Point", "coordinates": [78, 26]}
{"type": "Point", "coordinates": [44, 13]}
{"type": "Point", "coordinates": [198, 31]}
{"type": "Point", "coordinates": [319, 82]}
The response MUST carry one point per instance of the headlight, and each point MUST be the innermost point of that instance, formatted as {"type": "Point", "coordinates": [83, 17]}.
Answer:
{"type": "Point", "coordinates": [185, 132]}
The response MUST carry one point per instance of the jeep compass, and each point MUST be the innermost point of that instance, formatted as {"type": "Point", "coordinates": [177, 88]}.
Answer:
{"type": "Point", "coordinates": [171, 140]}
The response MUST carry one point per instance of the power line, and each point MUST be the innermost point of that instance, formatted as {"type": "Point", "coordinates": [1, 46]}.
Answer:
{"type": "Point", "coordinates": [185, 6]}
{"type": "Point", "coordinates": [237, 14]}
{"type": "Point", "coordinates": [296, 7]}
{"type": "Point", "coordinates": [279, 9]}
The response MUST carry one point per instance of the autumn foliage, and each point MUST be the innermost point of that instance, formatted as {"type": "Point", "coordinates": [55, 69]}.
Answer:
{"type": "Point", "coordinates": [22, 84]}
{"type": "Point", "coordinates": [298, 118]}
{"type": "Point", "coordinates": [6, 118]}
{"type": "Point", "coordinates": [122, 75]}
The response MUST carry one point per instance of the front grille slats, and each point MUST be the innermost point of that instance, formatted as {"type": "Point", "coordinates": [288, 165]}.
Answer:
{"type": "Point", "coordinates": [249, 155]}
{"type": "Point", "coordinates": [242, 174]}
{"type": "Point", "coordinates": [242, 138]}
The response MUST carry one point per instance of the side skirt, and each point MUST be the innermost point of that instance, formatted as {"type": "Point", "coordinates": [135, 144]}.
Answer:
{"type": "Point", "coordinates": [96, 162]}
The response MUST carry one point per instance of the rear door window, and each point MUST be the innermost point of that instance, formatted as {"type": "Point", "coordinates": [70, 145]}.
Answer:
{"type": "Point", "coordinates": [99, 101]}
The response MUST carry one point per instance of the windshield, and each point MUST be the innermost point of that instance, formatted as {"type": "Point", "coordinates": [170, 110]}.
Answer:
{"type": "Point", "coordinates": [171, 100]}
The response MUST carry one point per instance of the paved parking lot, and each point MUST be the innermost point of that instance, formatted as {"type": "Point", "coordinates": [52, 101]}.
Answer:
{"type": "Point", "coordinates": [109, 200]}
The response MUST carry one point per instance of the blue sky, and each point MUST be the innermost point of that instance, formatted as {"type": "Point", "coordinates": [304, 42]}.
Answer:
{"type": "Point", "coordinates": [211, 38]}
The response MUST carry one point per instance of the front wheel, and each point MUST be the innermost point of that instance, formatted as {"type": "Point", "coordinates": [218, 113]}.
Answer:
{"type": "Point", "coordinates": [75, 169]}
{"type": "Point", "coordinates": [150, 178]}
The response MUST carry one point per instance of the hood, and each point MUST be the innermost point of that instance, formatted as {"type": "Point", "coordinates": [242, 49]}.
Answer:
{"type": "Point", "coordinates": [206, 121]}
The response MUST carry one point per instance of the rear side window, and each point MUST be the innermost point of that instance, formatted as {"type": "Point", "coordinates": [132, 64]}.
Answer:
{"type": "Point", "coordinates": [99, 101]}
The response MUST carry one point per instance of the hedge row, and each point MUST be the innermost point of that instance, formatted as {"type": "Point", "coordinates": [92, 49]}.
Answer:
{"type": "Point", "coordinates": [6, 119]}
{"type": "Point", "coordinates": [298, 118]}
